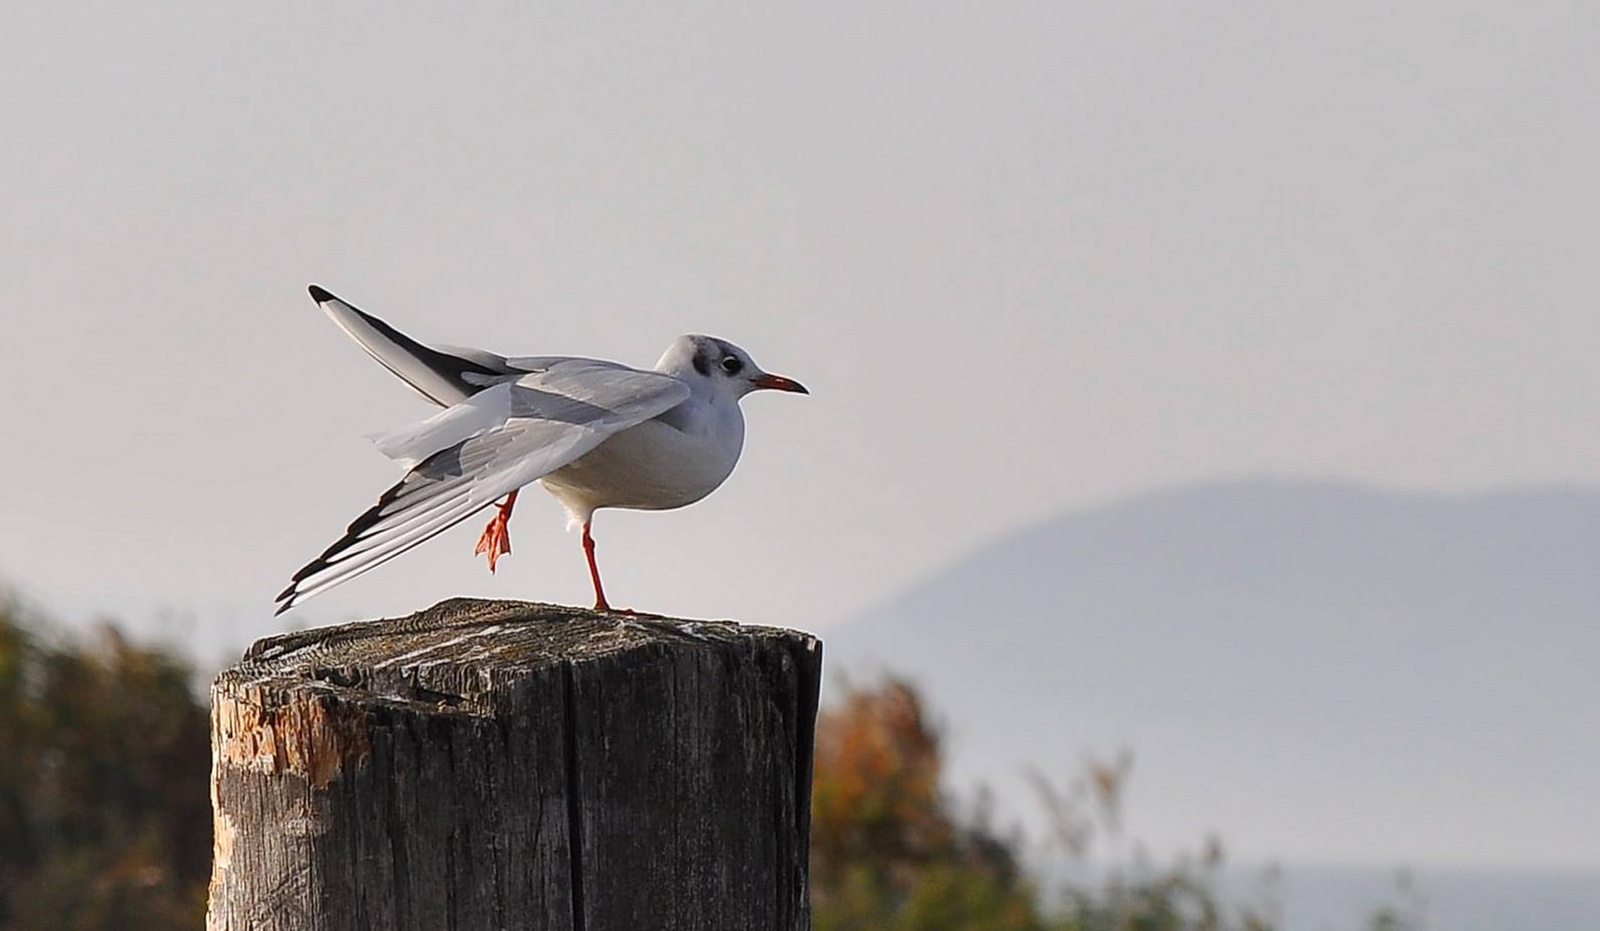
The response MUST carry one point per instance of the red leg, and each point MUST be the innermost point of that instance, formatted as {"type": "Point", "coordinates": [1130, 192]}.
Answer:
{"type": "Point", "coordinates": [496, 538]}
{"type": "Point", "coordinates": [594, 571]}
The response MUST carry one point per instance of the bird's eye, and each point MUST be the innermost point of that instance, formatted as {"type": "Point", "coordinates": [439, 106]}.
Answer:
{"type": "Point", "coordinates": [732, 365]}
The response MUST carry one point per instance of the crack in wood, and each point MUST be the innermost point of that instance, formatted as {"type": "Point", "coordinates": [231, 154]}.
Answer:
{"type": "Point", "coordinates": [574, 799]}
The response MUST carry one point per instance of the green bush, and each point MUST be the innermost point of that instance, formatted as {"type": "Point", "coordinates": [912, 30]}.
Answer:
{"type": "Point", "coordinates": [104, 811]}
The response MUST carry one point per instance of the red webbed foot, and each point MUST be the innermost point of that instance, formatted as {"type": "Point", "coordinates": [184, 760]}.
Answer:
{"type": "Point", "coordinates": [495, 541]}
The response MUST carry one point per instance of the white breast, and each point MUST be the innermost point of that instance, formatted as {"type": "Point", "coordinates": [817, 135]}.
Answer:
{"type": "Point", "coordinates": [669, 462]}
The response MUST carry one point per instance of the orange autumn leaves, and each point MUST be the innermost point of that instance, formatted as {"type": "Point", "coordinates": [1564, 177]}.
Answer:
{"type": "Point", "coordinates": [888, 852]}
{"type": "Point", "coordinates": [876, 795]}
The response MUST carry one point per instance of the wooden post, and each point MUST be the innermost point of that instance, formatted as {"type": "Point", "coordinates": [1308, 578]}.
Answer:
{"type": "Point", "coordinates": [507, 765]}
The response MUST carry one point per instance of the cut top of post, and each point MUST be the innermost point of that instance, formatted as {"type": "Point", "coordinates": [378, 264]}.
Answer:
{"type": "Point", "coordinates": [448, 655]}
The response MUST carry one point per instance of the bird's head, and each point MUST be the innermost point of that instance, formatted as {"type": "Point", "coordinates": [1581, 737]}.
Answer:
{"type": "Point", "coordinates": [721, 367]}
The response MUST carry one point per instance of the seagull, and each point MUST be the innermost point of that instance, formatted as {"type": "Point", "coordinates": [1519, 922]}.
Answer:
{"type": "Point", "coordinates": [595, 434]}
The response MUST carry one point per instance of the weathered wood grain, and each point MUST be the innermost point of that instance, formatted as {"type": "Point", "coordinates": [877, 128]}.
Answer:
{"type": "Point", "coordinates": [507, 765]}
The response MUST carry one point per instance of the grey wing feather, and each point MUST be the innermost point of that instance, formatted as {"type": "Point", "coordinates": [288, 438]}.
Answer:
{"type": "Point", "coordinates": [555, 417]}
{"type": "Point", "coordinates": [609, 387]}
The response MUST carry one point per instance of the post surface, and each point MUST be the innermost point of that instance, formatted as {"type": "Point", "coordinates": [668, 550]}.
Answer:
{"type": "Point", "coordinates": [495, 764]}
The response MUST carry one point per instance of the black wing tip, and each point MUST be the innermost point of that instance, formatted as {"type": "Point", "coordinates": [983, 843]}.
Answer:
{"type": "Point", "coordinates": [290, 596]}
{"type": "Point", "coordinates": [314, 566]}
{"type": "Point", "coordinates": [320, 294]}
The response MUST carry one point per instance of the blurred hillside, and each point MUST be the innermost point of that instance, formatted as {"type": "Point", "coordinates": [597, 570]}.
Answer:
{"type": "Point", "coordinates": [1329, 672]}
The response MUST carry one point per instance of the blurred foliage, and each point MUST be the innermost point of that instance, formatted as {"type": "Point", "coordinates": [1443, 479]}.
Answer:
{"type": "Point", "coordinates": [1134, 893]}
{"type": "Point", "coordinates": [890, 850]}
{"type": "Point", "coordinates": [105, 818]}
{"type": "Point", "coordinates": [1405, 908]}
{"type": "Point", "coordinates": [887, 851]}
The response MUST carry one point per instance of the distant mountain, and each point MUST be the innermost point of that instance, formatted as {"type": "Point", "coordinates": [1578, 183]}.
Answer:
{"type": "Point", "coordinates": [1319, 672]}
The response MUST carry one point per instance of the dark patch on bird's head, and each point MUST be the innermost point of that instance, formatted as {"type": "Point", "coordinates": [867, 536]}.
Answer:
{"type": "Point", "coordinates": [712, 355]}
{"type": "Point", "coordinates": [725, 368]}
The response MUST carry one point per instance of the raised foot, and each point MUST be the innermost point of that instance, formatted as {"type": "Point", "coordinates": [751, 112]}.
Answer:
{"type": "Point", "coordinates": [495, 541]}
{"type": "Point", "coordinates": [496, 538]}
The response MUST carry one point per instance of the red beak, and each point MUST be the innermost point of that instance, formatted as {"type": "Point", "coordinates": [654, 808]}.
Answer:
{"type": "Point", "coordinates": [778, 383]}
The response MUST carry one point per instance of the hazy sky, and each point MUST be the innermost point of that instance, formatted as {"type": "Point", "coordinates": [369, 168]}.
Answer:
{"type": "Point", "coordinates": [1026, 257]}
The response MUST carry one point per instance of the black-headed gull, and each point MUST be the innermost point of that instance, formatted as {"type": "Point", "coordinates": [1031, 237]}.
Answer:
{"type": "Point", "coordinates": [594, 434]}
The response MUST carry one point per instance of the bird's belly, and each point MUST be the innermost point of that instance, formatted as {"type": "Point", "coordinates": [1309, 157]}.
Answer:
{"type": "Point", "coordinates": [651, 467]}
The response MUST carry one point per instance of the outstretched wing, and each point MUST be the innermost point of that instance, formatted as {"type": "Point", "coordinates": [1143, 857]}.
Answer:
{"type": "Point", "coordinates": [477, 451]}
{"type": "Point", "coordinates": [444, 375]}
